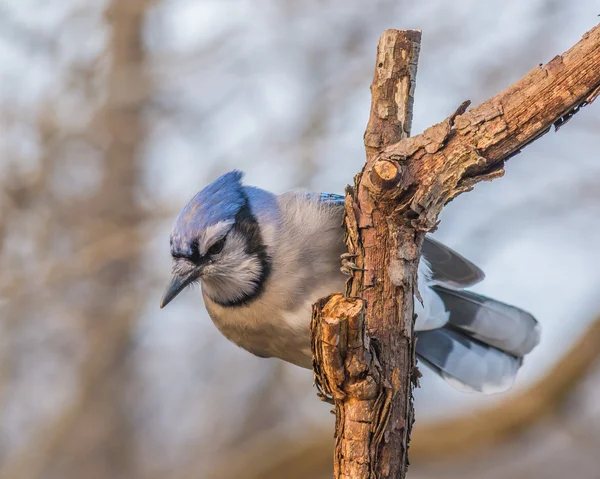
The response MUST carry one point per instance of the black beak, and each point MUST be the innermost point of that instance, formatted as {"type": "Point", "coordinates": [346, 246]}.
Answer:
{"type": "Point", "coordinates": [176, 286]}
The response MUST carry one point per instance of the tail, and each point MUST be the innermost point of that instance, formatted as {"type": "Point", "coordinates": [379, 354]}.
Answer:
{"type": "Point", "coordinates": [482, 345]}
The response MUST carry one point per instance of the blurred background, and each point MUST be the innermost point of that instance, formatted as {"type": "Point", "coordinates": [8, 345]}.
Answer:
{"type": "Point", "coordinates": [114, 113]}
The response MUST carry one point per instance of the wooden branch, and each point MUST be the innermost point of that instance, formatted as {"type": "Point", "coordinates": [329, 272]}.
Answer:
{"type": "Point", "coordinates": [452, 156]}
{"type": "Point", "coordinates": [396, 199]}
{"type": "Point", "coordinates": [364, 356]}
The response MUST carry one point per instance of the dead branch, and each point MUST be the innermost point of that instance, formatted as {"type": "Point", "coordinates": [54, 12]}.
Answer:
{"type": "Point", "coordinates": [363, 375]}
{"type": "Point", "coordinates": [451, 157]}
{"type": "Point", "coordinates": [396, 199]}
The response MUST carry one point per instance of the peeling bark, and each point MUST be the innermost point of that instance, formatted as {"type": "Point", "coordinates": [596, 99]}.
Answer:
{"type": "Point", "coordinates": [468, 147]}
{"type": "Point", "coordinates": [360, 364]}
{"type": "Point", "coordinates": [363, 342]}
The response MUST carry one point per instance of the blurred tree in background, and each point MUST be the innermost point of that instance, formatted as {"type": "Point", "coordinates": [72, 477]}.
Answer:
{"type": "Point", "coordinates": [114, 113]}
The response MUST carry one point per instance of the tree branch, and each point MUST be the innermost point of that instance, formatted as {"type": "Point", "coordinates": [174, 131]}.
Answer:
{"type": "Point", "coordinates": [395, 200]}
{"type": "Point", "coordinates": [364, 374]}
{"type": "Point", "coordinates": [451, 157]}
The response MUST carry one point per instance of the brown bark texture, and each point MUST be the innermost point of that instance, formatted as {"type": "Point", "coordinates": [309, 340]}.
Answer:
{"type": "Point", "coordinates": [394, 202]}
{"type": "Point", "coordinates": [364, 373]}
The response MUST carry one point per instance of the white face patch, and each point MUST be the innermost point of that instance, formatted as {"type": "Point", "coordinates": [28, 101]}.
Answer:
{"type": "Point", "coordinates": [234, 273]}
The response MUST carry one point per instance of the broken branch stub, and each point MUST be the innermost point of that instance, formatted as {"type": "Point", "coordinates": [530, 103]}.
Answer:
{"type": "Point", "coordinates": [363, 344]}
{"type": "Point", "coordinates": [471, 146]}
{"type": "Point", "coordinates": [397, 198]}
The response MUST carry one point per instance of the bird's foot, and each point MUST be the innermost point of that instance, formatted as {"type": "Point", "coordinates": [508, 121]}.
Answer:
{"type": "Point", "coordinates": [348, 267]}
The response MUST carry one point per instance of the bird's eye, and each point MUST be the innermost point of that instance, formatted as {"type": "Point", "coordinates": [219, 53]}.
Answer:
{"type": "Point", "coordinates": [216, 248]}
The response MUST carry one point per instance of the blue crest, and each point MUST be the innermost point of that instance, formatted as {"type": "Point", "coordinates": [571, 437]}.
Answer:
{"type": "Point", "coordinates": [219, 201]}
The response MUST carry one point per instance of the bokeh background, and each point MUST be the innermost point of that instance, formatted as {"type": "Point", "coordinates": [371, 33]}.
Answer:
{"type": "Point", "coordinates": [114, 113]}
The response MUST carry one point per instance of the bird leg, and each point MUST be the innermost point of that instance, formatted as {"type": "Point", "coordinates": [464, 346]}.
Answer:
{"type": "Point", "coordinates": [348, 267]}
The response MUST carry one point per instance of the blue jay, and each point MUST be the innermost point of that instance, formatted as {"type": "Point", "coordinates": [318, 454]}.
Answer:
{"type": "Point", "coordinates": [262, 260]}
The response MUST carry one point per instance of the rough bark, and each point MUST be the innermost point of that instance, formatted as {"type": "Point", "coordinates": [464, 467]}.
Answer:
{"type": "Point", "coordinates": [361, 349]}
{"type": "Point", "coordinates": [451, 157]}
{"type": "Point", "coordinates": [395, 200]}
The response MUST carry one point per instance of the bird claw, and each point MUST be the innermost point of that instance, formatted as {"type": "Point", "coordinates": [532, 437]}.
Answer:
{"type": "Point", "coordinates": [348, 267]}
{"type": "Point", "coordinates": [345, 271]}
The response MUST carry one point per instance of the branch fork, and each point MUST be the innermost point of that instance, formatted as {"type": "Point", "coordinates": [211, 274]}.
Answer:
{"type": "Point", "coordinates": [363, 342]}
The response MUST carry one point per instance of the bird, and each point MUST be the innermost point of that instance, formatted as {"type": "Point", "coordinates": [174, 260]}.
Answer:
{"type": "Point", "coordinates": [263, 259]}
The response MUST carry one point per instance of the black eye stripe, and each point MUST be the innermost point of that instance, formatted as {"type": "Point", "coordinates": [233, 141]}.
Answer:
{"type": "Point", "coordinates": [195, 256]}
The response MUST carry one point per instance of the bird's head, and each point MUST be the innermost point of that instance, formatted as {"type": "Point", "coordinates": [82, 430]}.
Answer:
{"type": "Point", "coordinates": [217, 240]}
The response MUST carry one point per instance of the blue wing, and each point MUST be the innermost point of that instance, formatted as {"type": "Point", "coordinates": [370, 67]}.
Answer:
{"type": "Point", "coordinates": [331, 198]}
